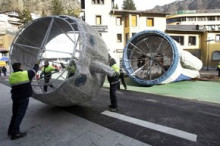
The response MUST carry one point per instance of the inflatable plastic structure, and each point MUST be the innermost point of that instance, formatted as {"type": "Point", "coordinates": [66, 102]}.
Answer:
{"type": "Point", "coordinates": [152, 57]}
{"type": "Point", "coordinates": [63, 39]}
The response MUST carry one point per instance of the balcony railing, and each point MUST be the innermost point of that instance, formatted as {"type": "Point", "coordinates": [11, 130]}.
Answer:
{"type": "Point", "coordinates": [196, 11]}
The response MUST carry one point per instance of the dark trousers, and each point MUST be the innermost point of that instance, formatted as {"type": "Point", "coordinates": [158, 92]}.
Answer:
{"type": "Point", "coordinates": [71, 74]}
{"type": "Point", "coordinates": [219, 72]}
{"type": "Point", "coordinates": [46, 81]}
{"type": "Point", "coordinates": [122, 81]}
{"type": "Point", "coordinates": [19, 108]}
{"type": "Point", "coordinates": [113, 98]}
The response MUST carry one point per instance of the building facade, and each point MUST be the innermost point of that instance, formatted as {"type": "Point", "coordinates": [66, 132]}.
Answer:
{"type": "Point", "coordinates": [117, 26]}
{"type": "Point", "coordinates": [9, 25]}
{"type": "Point", "coordinates": [208, 19]}
{"type": "Point", "coordinates": [198, 32]}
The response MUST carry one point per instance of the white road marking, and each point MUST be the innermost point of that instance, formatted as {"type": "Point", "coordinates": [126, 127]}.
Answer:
{"type": "Point", "coordinates": [157, 127]}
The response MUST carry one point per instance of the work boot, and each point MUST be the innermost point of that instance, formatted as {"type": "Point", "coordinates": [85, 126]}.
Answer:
{"type": "Point", "coordinates": [113, 109]}
{"type": "Point", "coordinates": [18, 135]}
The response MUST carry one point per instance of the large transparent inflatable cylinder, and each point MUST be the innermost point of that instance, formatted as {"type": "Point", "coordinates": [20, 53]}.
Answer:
{"type": "Point", "coordinates": [66, 43]}
{"type": "Point", "coordinates": [152, 57]}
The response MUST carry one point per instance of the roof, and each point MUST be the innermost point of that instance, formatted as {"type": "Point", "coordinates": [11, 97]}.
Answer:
{"type": "Point", "coordinates": [151, 13]}
{"type": "Point", "coordinates": [185, 28]}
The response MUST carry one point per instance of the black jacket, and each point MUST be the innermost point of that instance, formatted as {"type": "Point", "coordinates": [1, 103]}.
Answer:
{"type": "Point", "coordinates": [4, 69]}
{"type": "Point", "coordinates": [24, 90]}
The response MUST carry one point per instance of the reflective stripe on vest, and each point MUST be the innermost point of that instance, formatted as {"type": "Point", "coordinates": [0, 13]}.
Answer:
{"type": "Point", "coordinates": [48, 69]}
{"type": "Point", "coordinates": [18, 78]}
{"type": "Point", "coordinates": [116, 68]}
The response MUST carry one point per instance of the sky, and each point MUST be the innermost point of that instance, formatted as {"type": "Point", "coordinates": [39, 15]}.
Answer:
{"type": "Point", "coordinates": [146, 4]}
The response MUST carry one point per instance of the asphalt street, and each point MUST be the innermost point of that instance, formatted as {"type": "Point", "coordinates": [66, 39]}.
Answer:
{"type": "Point", "coordinates": [154, 119]}
{"type": "Point", "coordinates": [200, 119]}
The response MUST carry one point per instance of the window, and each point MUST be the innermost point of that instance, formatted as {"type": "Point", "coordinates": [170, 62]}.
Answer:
{"type": "Point", "coordinates": [201, 19]}
{"type": "Point", "coordinates": [217, 37]}
{"type": "Point", "coordinates": [179, 39]}
{"type": "Point", "coordinates": [126, 21]}
{"type": "Point", "coordinates": [208, 27]}
{"type": "Point", "coordinates": [118, 21]}
{"type": "Point", "coordinates": [192, 41]}
{"type": "Point", "coordinates": [211, 18]}
{"type": "Point", "coordinates": [133, 20]}
{"type": "Point", "coordinates": [98, 20]}
{"type": "Point", "coordinates": [150, 22]}
{"type": "Point", "coordinates": [216, 55]}
{"type": "Point", "coordinates": [119, 38]}
{"type": "Point", "coordinates": [1, 40]}
{"type": "Point", "coordinates": [82, 4]}
{"type": "Point", "coordinates": [192, 19]}
{"type": "Point", "coordinates": [119, 51]}
{"type": "Point", "coordinates": [183, 19]}
{"type": "Point", "coordinates": [98, 2]}
{"type": "Point", "coordinates": [127, 37]}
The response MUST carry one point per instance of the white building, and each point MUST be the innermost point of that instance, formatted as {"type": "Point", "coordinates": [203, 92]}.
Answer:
{"type": "Point", "coordinates": [208, 19]}
{"type": "Point", "coordinates": [117, 26]}
{"type": "Point", "coordinates": [197, 31]}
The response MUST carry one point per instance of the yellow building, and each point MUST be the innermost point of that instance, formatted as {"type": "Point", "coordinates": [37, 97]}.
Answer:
{"type": "Point", "coordinates": [202, 43]}
{"type": "Point", "coordinates": [5, 42]}
{"type": "Point", "coordinates": [211, 48]}
{"type": "Point", "coordinates": [198, 32]}
{"type": "Point", "coordinates": [9, 24]}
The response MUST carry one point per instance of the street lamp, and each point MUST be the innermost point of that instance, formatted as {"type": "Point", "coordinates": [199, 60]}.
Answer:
{"type": "Point", "coordinates": [208, 46]}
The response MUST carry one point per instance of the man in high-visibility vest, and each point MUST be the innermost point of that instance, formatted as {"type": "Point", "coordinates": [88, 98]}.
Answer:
{"type": "Point", "coordinates": [218, 68]}
{"type": "Point", "coordinates": [47, 72]}
{"type": "Point", "coordinates": [20, 82]}
{"type": "Point", "coordinates": [71, 68]}
{"type": "Point", "coordinates": [114, 83]}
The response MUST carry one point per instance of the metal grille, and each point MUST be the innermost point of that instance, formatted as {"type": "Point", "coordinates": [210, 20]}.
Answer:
{"type": "Point", "coordinates": [150, 56]}
{"type": "Point", "coordinates": [63, 39]}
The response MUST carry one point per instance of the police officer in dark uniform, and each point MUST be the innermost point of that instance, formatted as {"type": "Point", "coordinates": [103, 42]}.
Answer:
{"type": "Point", "coordinates": [20, 82]}
{"type": "Point", "coordinates": [114, 83]}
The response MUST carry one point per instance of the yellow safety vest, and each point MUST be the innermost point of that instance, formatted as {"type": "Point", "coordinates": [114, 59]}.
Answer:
{"type": "Point", "coordinates": [116, 68]}
{"type": "Point", "coordinates": [219, 66]}
{"type": "Point", "coordinates": [48, 69]}
{"type": "Point", "coordinates": [18, 78]}
{"type": "Point", "coordinates": [71, 69]}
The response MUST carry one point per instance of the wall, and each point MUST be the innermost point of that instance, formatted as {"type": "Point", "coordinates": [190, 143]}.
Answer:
{"type": "Point", "coordinates": [110, 36]}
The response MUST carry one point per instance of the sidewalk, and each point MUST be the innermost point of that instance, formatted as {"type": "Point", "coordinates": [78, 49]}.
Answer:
{"type": "Point", "coordinates": [203, 89]}
{"type": "Point", "coordinates": [51, 126]}
{"type": "Point", "coordinates": [210, 75]}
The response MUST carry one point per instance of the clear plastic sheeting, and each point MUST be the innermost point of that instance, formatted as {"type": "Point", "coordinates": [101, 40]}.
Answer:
{"type": "Point", "coordinates": [152, 57]}
{"type": "Point", "coordinates": [62, 40]}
